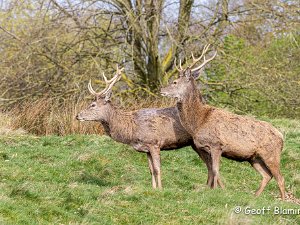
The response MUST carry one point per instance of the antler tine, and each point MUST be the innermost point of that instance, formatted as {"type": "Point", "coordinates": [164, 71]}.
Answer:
{"type": "Point", "coordinates": [105, 78]}
{"type": "Point", "coordinates": [176, 65]}
{"type": "Point", "coordinates": [195, 60]}
{"type": "Point", "coordinates": [180, 66]}
{"type": "Point", "coordinates": [204, 62]}
{"type": "Point", "coordinates": [91, 90]}
{"type": "Point", "coordinates": [108, 83]}
{"type": "Point", "coordinates": [118, 73]}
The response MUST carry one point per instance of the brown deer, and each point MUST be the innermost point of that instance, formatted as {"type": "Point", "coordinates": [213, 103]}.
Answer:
{"type": "Point", "coordinates": [221, 133]}
{"type": "Point", "coordinates": [146, 130]}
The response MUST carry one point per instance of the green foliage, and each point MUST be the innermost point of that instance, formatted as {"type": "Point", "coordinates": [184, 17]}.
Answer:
{"type": "Point", "coordinates": [233, 44]}
{"type": "Point", "coordinates": [93, 180]}
{"type": "Point", "coordinates": [263, 80]}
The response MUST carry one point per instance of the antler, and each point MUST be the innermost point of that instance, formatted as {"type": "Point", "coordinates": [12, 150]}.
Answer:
{"type": "Point", "coordinates": [205, 49]}
{"type": "Point", "coordinates": [180, 66]}
{"type": "Point", "coordinates": [108, 83]}
{"type": "Point", "coordinates": [196, 60]}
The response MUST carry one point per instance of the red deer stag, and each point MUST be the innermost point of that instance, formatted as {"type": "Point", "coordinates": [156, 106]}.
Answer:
{"type": "Point", "coordinates": [221, 133]}
{"type": "Point", "coordinates": [146, 130]}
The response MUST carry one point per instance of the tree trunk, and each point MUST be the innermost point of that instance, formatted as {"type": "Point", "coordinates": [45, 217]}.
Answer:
{"type": "Point", "coordinates": [153, 62]}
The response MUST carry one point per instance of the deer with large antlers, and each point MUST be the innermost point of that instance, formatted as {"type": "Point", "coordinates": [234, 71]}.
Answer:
{"type": "Point", "coordinates": [221, 133]}
{"type": "Point", "coordinates": [146, 130]}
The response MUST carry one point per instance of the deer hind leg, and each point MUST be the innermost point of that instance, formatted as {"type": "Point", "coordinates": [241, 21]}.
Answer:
{"type": "Point", "coordinates": [205, 156]}
{"type": "Point", "coordinates": [155, 154]}
{"type": "Point", "coordinates": [273, 165]}
{"type": "Point", "coordinates": [261, 168]}
{"type": "Point", "coordinates": [150, 164]}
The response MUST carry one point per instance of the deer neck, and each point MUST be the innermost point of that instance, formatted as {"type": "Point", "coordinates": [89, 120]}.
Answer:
{"type": "Point", "coordinates": [192, 110]}
{"type": "Point", "coordinates": [119, 125]}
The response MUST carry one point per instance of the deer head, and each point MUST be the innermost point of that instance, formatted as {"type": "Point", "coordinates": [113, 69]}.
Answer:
{"type": "Point", "coordinates": [100, 108]}
{"type": "Point", "coordinates": [179, 87]}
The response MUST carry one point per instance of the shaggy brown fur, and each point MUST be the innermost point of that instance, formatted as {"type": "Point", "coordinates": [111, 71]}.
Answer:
{"type": "Point", "coordinates": [221, 133]}
{"type": "Point", "coordinates": [146, 130]}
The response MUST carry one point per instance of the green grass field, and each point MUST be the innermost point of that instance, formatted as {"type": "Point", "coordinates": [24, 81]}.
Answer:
{"type": "Point", "coordinates": [94, 180]}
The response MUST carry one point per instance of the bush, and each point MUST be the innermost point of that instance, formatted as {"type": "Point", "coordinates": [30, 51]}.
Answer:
{"type": "Point", "coordinates": [262, 80]}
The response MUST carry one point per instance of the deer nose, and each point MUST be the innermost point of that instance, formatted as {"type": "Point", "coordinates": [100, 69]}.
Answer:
{"type": "Point", "coordinates": [163, 93]}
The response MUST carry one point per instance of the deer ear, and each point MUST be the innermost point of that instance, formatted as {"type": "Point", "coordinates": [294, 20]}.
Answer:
{"type": "Point", "coordinates": [196, 73]}
{"type": "Point", "coordinates": [107, 97]}
{"type": "Point", "coordinates": [188, 73]}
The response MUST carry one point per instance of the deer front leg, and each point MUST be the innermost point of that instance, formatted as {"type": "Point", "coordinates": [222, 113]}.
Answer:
{"type": "Point", "coordinates": [216, 155]}
{"type": "Point", "coordinates": [155, 154]}
{"type": "Point", "coordinates": [206, 158]}
{"type": "Point", "coordinates": [150, 164]}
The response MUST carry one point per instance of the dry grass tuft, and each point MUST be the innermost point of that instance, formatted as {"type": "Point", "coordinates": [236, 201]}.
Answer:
{"type": "Point", "coordinates": [6, 127]}
{"type": "Point", "coordinates": [46, 116]}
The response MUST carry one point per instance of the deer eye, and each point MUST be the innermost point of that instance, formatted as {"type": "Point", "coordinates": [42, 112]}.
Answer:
{"type": "Point", "coordinates": [174, 82]}
{"type": "Point", "coordinates": [93, 105]}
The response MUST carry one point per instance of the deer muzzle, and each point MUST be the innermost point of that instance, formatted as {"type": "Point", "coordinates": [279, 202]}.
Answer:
{"type": "Point", "coordinates": [80, 118]}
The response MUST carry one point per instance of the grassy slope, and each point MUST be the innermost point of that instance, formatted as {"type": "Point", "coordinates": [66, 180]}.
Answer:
{"type": "Point", "coordinates": [94, 180]}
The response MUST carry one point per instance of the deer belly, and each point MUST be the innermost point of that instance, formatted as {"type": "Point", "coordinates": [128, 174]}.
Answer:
{"type": "Point", "coordinates": [140, 147]}
{"type": "Point", "coordinates": [238, 151]}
